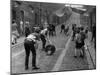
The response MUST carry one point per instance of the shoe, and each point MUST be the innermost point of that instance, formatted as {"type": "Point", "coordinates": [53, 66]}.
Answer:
{"type": "Point", "coordinates": [72, 39]}
{"type": "Point", "coordinates": [75, 56]}
{"type": "Point", "coordinates": [35, 68]}
{"type": "Point", "coordinates": [26, 68]}
{"type": "Point", "coordinates": [82, 56]}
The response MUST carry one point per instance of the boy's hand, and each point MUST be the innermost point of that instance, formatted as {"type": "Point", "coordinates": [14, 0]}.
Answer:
{"type": "Point", "coordinates": [36, 45]}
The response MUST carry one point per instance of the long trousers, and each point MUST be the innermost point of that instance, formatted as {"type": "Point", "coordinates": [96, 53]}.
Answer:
{"type": "Point", "coordinates": [43, 43]}
{"type": "Point", "coordinates": [29, 47]}
{"type": "Point", "coordinates": [73, 36]}
{"type": "Point", "coordinates": [43, 39]}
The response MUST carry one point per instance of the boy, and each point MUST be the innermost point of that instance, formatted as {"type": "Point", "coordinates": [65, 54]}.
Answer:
{"type": "Point", "coordinates": [79, 41]}
{"type": "Point", "coordinates": [29, 44]}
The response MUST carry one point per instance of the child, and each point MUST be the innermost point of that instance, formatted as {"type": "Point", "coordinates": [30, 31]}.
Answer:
{"type": "Point", "coordinates": [79, 41]}
{"type": "Point", "coordinates": [29, 45]}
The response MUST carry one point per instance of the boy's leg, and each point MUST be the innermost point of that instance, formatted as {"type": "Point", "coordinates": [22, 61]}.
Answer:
{"type": "Point", "coordinates": [33, 57]}
{"type": "Point", "coordinates": [27, 50]}
{"type": "Point", "coordinates": [75, 53]}
{"type": "Point", "coordinates": [82, 52]}
{"type": "Point", "coordinates": [44, 43]}
{"type": "Point", "coordinates": [73, 36]}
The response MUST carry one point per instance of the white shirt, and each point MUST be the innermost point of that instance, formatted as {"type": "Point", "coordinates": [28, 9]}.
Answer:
{"type": "Point", "coordinates": [32, 37]}
{"type": "Point", "coordinates": [44, 31]}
